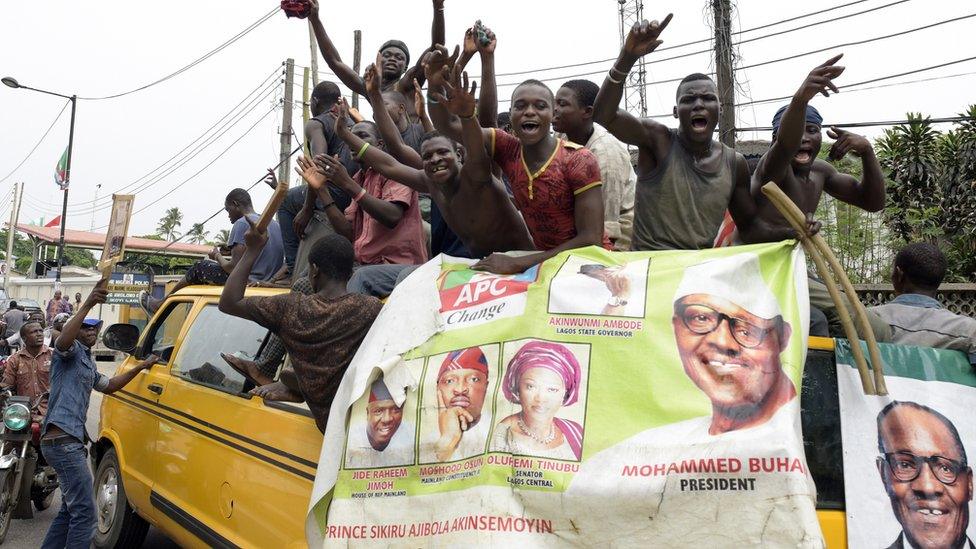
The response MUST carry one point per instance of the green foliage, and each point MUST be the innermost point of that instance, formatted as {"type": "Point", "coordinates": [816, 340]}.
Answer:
{"type": "Point", "coordinates": [22, 251]}
{"type": "Point", "coordinates": [169, 224]}
{"type": "Point", "coordinates": [223, 235]}
{"type": "Point", "coordinates": [932, 188]}
{"type": "Point", "coordinates": [196, 234]}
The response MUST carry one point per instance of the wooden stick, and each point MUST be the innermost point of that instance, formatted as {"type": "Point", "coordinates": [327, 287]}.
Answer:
{"type": "Point", "coordinates": [272, 208]}
{"type": "Point", "coordinates": [797, 220]}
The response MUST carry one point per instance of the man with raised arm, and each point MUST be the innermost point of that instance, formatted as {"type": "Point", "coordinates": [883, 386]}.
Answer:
{"type": "Point", "coordinates": [556, 184]}
{"type": "Point", "coordinates": [473, 203]}
{"type": "Point", "coordinates": [321, 331]}
{"type": "Point", "coordinates": [573, 118]}
{"type": "Point", "coordinates": [792, 164]}
{"type": "Point", "coordinates": [63, 436]}
{"type": "Point", "coordinates": [397, 72]}
{"type": "Point", "coordinates": [300, 208]}
{"type": "Point", "coordinates": [685, 179]}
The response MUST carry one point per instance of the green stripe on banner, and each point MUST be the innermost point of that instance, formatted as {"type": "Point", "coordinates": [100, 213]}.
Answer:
{"type": "Point", "coordinates": [923, 363]}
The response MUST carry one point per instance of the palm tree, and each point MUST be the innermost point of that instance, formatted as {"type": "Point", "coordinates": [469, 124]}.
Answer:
{"type": "Point", "coordinates": [169, 224]}
{"type": "Point", "coordinates": [222, 237]}
{"type": "Point", "coordinates": [196, 235]}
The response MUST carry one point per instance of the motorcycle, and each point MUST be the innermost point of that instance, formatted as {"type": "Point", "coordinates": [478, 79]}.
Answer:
{"type": "Point", "coordinates": [25, 477]}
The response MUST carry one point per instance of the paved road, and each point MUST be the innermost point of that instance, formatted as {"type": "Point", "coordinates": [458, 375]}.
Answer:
{"type": "Point", "coordinates": [30, 533]}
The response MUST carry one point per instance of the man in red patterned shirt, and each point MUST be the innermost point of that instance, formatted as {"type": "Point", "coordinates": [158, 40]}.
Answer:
{"type": "Point", "coordinates": [555, 183]}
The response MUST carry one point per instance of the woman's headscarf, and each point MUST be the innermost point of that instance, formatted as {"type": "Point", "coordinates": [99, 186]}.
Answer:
{"type": "Point", "coordinates": [551, 356]}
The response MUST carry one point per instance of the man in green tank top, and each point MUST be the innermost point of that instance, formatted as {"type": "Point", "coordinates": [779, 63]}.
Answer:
{"type": "Point", "coordinates": [685, 179]}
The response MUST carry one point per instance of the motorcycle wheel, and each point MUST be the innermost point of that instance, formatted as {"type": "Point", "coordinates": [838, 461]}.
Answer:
{"type": "Point", "coordinates": [118, 525]}
{"type": "Point", "coordinates": [7, 479]}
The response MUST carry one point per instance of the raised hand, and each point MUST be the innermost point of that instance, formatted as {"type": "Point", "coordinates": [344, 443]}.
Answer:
{"type": "Point", "coordinates": [470, 44]}
{"type": "Point", "coordinates": [334, 171]}
{"type": "Point", "coordinates": [253, 238]}
{"type": "Point", "coordinates": [373, 77]}
{"type": "Point", "coordinates": [271, 179]}
{"type": "Point", "coordinates": [643, 37]}
{"type": "Point", "coordinates": [619, 285]}
{"type": "Point", "coordinates": [847, 142]}
{"type": "Point", "coordinates": [440, 64]}
{"type": "Point", "coordinates": [311, 173]}
{"type": "Point", "coordinates": [418, 98]}
{"type": "Point", "coordinates": [341, 112]}
{"type": "Point", "coordinates": [457, 98]}
{"type": "Point", "coordinates": [821, 79]}
{"type": "Point", "coordinates": [313, 8]}
{"type": "Point", "coordinates": [492, 41]}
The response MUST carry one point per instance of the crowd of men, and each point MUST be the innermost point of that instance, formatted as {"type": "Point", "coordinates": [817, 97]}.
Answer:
{"type": "Point", "coordinates": [446, 173]}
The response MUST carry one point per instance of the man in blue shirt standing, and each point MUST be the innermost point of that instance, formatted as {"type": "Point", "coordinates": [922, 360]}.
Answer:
{"type": "Point", "coordinates": [63, 436]}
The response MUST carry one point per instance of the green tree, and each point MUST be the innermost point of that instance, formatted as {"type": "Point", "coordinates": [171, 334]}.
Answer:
{"type": "Point", "coordinates": [169, 224]}
{"type": "Point", "coordinates": [196, 234]}
{"type": "Point", "coordinates": [223, 235]}
{"type": "Point", "coordinates": [932, 188]}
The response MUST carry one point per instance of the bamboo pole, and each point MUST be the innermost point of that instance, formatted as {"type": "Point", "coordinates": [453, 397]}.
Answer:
{"type": "Point", "coordinates": [818, 250]}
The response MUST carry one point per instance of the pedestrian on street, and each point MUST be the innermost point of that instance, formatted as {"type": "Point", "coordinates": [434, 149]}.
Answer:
{"type": "Point", "coordinates": [63, 436]}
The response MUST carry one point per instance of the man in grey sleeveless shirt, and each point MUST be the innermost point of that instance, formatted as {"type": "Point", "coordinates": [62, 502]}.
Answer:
{"type": "Point", "coordinates": [685, 179]}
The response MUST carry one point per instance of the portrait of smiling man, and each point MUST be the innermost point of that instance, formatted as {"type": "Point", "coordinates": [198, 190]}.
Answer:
{"type": "Point", "coordinates": [386, 440]}
{"type": "Point", "coordinates": [730, 332]}
{"type": "Point", "coordinates": [927, 477]}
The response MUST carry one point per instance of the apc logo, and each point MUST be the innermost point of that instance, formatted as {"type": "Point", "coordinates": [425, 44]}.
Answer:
{"type": "Point", "coordinates": [469, 298]}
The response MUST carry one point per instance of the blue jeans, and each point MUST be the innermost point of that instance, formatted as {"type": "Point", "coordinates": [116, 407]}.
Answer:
{"type": "Point", "coordinates": [378, 280]}
{"type": "Point", "coordinates": [294, 200]}
{"type": "Point", "coordinates": [74, 526]}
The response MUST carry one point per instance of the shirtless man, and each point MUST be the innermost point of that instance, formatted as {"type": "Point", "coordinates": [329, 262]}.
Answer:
{"type": "Point", "coordinates": [555, 184]}
{"type": "Point", "coordinates": [397, 72]}
{"type": "Point", "coordinates": [792, 163]}
{"type": "Point", "coordinates": [685, 179]}
{"type": "Point", "coordinates": [474, 204]}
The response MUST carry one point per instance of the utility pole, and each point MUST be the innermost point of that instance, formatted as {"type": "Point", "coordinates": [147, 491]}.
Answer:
{"type": "Point", "coordinates": [314, 64]}
{"type": "Point", "coordinates": [725, 74]}
{"type": "Point", "coordinates": [306, 107]}
{"type": "Point", "coordinates": [11, 231]}
{"type": "Point", "coordinates": [286, 121]}
{"type": "Point", "coordinates": [357, 54]}
{"type": "Point", "coordinates": [97, 188]}
{"type": "Point", "coordinates": [635, 91]}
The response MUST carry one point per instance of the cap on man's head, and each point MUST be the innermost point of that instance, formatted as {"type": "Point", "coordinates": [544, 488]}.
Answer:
{"type": "Point", "coordinates": [398, 45]}
{"type": "Point", "coordinates": [91, 322]}
{"type": "Point", "coordinates": [378, 391]}
{"type": "Point", "coordinates": [736, 278]}
{"type": "Point", "coordinates": [812, 117]}
{"type": "Point", "coordinates": [467, 359]}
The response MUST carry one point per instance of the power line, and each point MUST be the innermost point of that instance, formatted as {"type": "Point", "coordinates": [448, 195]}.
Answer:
{"type": "Point", "coordinates": [855, 43]}
{"type": "Point", "coordinates": [204, 168]}
{"type": "Point", "coordinates": [213, 140]}
{"type": "Point", "coordinates": [706, 40]}
{"type": "Point", "coordinates": [203, 141]}
{"type": "Point", "coordinates": [194, 63]}
{"type": "Point", "coordinates": [871, 81]}
{"type": "Point", "coordinates": [942, 120]}
{"type": "Point", "coordinates": [39, 141]}
{"type": "Point", "coordinates": [255, 184]}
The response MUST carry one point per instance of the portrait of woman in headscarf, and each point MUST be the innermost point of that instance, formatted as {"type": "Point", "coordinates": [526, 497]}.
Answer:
{"type": "Point", "coordinates": [541, 378]}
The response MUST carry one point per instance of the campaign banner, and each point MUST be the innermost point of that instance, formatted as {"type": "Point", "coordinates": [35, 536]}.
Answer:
{"type": "Point", "coordinates": [598, 398]}
{"type": "Point", "coordinates": [907, 476]}
{"type": "Point", "coordinates": [118, 228]}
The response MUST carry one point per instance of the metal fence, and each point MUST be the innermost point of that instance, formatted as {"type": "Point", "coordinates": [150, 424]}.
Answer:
{"type": "Point", "coordinates": [958, 298]}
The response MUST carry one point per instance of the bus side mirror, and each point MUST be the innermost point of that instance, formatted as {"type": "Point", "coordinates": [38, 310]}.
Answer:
{"type": "Point", "coordinates": [121, 337]}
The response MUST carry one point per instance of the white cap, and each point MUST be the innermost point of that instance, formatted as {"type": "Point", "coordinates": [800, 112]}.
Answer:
{"type": "Point", "coordinates": [736, 278]}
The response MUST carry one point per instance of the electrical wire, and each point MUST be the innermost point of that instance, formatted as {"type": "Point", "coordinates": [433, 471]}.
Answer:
{"type": "Point", "coordinates": [763, 63]}
{"type": "Point", "coordinates": [942, 120]}
{"type": "Point", "coordinates": [39, 141]}
{"type": "Point", "coordinates": [225, 123]}
{"type": "Point", "coordinates": [706, 40]}
{"type": "Point", "coordinates": [204, 168]}
{"type": "Point", "coordinates": [218, 212]}
{"type": "Point", "coordinates": [194, 63]}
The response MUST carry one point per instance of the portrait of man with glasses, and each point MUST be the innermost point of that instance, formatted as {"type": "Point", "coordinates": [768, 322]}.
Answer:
{"type": "Point", "coordinates": [730, 333]}
{"type": "Point", "coordinates": [927, 477]}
